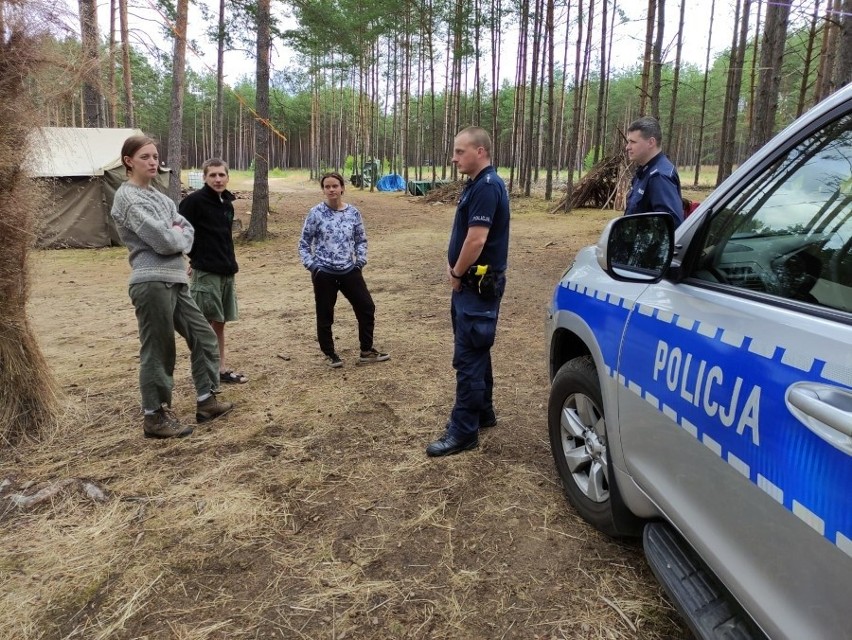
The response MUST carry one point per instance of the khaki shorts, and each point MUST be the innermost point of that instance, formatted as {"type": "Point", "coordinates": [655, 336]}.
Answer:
{"type": "Point", "coordinates": [215, 295]}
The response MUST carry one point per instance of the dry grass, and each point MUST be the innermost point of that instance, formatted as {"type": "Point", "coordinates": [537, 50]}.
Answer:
{"type": "Point", "coordinates": [312, 511]}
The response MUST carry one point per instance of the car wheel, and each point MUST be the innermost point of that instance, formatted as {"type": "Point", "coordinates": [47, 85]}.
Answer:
{"type": "Point", "coordinates": [578, 440]}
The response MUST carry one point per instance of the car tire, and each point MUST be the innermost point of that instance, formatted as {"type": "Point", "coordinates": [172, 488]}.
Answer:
{"type": "Point", "coordinates": [578, 441]}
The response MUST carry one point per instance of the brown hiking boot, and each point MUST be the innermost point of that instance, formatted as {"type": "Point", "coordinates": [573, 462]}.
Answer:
{"type": "Point", "coordinates": [210, 409]}
{"type": "Point", "coordinates": [164, 424]}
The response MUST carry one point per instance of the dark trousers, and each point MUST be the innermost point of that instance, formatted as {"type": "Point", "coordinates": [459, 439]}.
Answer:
{"type": "Point", "coordinates": [354, 289]}
{"type": "Point", "coordinates": [474, 327]}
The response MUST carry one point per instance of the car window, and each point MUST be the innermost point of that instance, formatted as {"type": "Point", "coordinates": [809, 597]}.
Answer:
{"type": "Point", "coordinates": [789, 232]}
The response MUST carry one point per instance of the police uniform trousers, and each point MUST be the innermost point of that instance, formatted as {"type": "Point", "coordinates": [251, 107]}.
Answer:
{"type": "Point", "coordinates": [474, 327]}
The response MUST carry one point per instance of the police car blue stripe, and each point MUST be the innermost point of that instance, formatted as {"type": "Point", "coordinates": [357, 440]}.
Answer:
{"type": "Point", "coordinates": [785, 356]}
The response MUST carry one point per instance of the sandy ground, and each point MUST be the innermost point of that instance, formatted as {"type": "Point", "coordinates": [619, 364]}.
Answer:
{"type": "Point", "coordinates": [312, 511]}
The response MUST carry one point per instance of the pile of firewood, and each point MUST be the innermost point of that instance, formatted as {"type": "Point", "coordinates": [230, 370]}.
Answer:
{"type": "Point", "coordinates": [447, 194]}
{"type": "Point", "coordinates": [604, 187]}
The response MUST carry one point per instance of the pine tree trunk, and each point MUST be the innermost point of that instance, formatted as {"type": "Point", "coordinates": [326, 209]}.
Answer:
{"type": "Point", "coordinates": [406, 90]}
{"type": "Point", "coordinates": [771, 59]}
{"type": "Point", "coordinates": [753, 81]}
{"type": "Point", "coordinates": [420, 124]}
{"type": "Point", "coordinates": [551, 81]}
{"type": "Point", "coordinates": [519, 108]}
{"type": "Point", "coordinates": [257, 229]}
{"type": "Point", "coordinates": [129, 117]}
{"type": "Point", "coordinates": [496, 33]}
{"type": "Point", "coordinates": [218, 127]}
{"type": "Point", "coordinates": [448, 95]}
{"type": "Point", "coordinates": [646, 59]}
{"type": "Point", "coordinates": [175, 158]}
{"type": "Point", "coordinates": [540, 122]}
{"type": "Point", "coordinates": [657, 62]}
{"type": "Point", "coordinates": [574, 135]}
{"type": "Point", "coordinates": [843, 61]}
{"type": "Point", "coordinates": [669, 133]}
{"type": "Point", "coordinates": [528, 156]}
{"type": "Point", "coordinates": [827, 52]}
{"type": "Point", "coordinates": [584, 90]}
{"type": "Point", "coordinates": [92, 114]}
{"type": "Point", "coordinates": [618, 144]}
{"type": "Point", "coordinates": [430, 45]}
{"type": "Point", "coordinates": [809, 56]}
{"type": "Point", "coordinates": [704, 95]}
{"type": "Point", "coordinates": [560, 146]}
{"type": "Point", "coordinates": [597, 132]}
{"type": "Point", "coordinates": [735, 74]}
{"type": "Point", "coordinates": [113, 94]}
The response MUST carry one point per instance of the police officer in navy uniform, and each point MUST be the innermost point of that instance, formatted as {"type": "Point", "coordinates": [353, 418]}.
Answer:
{"type": "Point", "coordinates": [656, 184]}
{"type": "Point", "coordinates": [476, 268]}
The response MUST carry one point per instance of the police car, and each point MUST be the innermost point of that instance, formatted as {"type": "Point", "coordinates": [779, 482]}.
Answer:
{"type": "Point", "coordinates": [701, 389]}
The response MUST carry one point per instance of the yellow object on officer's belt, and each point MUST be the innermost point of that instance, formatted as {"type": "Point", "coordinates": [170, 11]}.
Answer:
{"type": "Point", "coordinates": [481, 269]}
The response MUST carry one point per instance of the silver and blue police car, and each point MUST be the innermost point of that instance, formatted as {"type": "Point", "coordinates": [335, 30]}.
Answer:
{"type": "Point", "coordinates": [701, 390]}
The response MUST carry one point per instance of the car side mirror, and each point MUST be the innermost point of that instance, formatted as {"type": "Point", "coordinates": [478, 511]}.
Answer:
{"type": "Point", "coordinates": [637, 248]}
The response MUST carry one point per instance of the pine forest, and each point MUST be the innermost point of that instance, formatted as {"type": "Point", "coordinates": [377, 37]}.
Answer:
{"type": "Point", "coordinates": [390, 82]}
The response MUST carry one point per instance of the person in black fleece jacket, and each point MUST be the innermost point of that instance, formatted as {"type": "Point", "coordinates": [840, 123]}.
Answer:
{"type": "Point", "coordinates": [212, 261]}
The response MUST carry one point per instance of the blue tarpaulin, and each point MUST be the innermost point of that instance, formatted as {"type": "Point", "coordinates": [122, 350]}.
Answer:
{"type": "Point", "coordinates": [391, 182]}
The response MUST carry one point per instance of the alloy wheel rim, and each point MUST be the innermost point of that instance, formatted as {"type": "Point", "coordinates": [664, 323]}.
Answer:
{"type": "Point", "coordinates": [583, 435]}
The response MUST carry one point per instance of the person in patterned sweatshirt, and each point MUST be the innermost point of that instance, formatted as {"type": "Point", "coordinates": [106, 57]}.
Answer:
{"type": "Point", "coordinates": [157, 237]}
{"type": "Point", "coordinates": [333, 247]}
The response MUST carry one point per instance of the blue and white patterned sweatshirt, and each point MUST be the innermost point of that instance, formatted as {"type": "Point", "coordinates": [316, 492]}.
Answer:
{"type": "Point", "coordinates": [333, 241]}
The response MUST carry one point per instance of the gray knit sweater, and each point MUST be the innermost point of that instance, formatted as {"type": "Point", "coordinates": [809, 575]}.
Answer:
{"type": "Point", "coordinates": [146, 221]}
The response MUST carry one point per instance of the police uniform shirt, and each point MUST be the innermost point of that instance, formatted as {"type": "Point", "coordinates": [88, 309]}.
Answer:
{"type": "Point", "coordinates": [484, 202]}
{"type": "Point", "coordinates": [656, 187]}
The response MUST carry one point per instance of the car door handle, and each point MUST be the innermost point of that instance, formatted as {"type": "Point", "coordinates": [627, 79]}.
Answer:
{"type": "Point", "coordinates": [824, 409]}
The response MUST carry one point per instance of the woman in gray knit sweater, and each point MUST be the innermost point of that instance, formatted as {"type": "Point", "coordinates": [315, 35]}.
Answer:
{"type": "Point", "coordinates": [157, 238]}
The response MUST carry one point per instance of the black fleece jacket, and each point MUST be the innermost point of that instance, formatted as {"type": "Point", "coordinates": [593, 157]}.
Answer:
{"type": "Point", "coordinates": [212, 218]}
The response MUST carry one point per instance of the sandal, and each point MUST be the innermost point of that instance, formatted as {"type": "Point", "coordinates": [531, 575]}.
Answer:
{"type": "Point", "coordinates": [231, 377]}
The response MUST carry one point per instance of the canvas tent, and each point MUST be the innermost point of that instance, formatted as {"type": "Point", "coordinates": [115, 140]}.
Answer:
{"type": "Point", "coordinates": [81, 169]}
